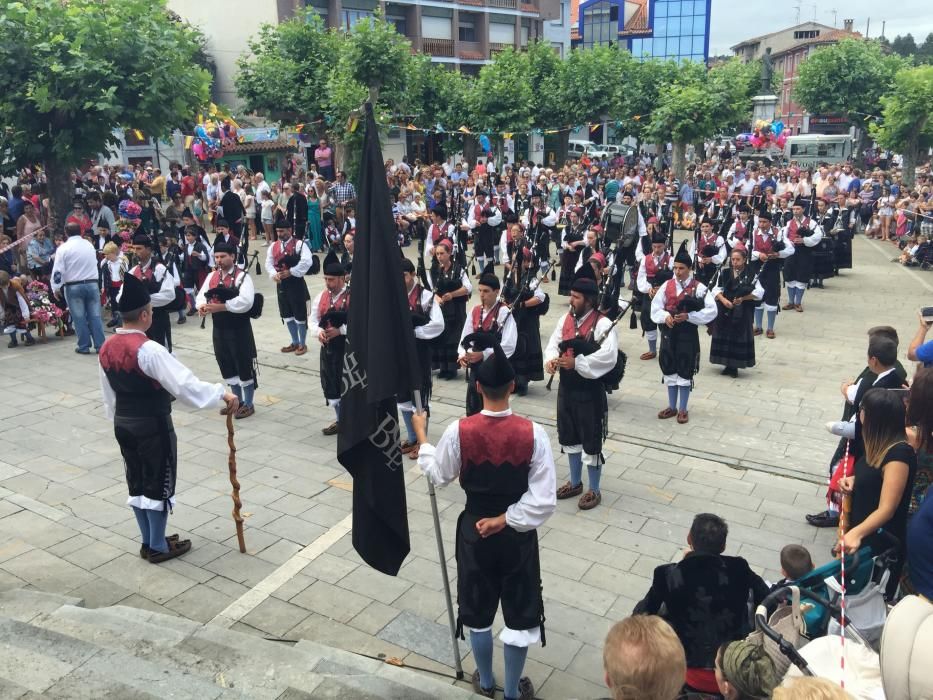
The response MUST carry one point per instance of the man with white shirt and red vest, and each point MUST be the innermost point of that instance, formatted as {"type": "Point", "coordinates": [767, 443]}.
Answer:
{"type": "Point", "coordinates": [740, 229]}
{"type": "Point", "coordinates": [803, 233]}
{"type": "Point", "coordinates": [227, 295]}
{"type": "Point", "coordinates": [287, 262]}
{"type": "Point", "coordinates": [769, 248]}
{"type": "Point", "coordinates": [679, 307]}
{"type": "Point", "coordinates": [584, 347]}
{"type": "Point", "coordinates": [439, 229]}
{"type": "Point", "coordinates": [655, 269]}
{"type": "Point", "coordinates": [161, 287]}
{"type": "Point", "coordinates": [490, 320]}
{"type": "Point", "coordinates": [329, 312]}
{"type": "Point", "coordinates": [483, 222]}
{"type": "Point", "coordinates": [539, 221]}
{"type": "Point", "coordinates": [139, 379]}
{"type": "Point", "coordinates": [709, 250]}
{"type": "Point", "coordinates": [505, 466]}
{"type": "Point", "coordinates": [428, 321]}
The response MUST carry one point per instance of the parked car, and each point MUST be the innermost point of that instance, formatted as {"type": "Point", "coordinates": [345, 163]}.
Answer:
{"type": "Point", "coordinates": [577, 148]}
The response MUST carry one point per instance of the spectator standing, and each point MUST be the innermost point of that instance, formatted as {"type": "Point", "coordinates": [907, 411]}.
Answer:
{"type": "Point", "coordinates": [343, 192]}
{"type": "Point", "coordinates": [74, 274]}
{"type": "Point", "coordinates": [705, 597]}
{"type": "Point", "coordinates": [16, 202]}
{"type": "Point", "coordinates": [157, 186]}
{"type": "Point", "coordinates": [231, 209]}
{"type": "Point", "coordinates": [324, 158]}
{"type": "Point", "coordinates": [296, 211]}
{"type": "Point", "coordinates": [100, 213]}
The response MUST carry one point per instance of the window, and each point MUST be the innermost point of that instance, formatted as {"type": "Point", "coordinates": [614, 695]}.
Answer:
{"type": "Point", "coordinates": [699, 24]}
{"type": "Point", "coordinates": [466, 30]}
{"type": "Point", "coordinates": [807, 34]}
{"type": "Point", "coordinates": [673, 8]}
{"type": "Point", "coordinates": [501, 33]}
{"type": "Point", "coordinates": [435, 27]}
{"type": "Point", "coordinates": [660, 10]}
{"type": "Point", "coordinates": [400, 24]}
{"type": "Point", "coordinates": [598, 28]}
{"type": "Point", "coordinates": [350, 17]}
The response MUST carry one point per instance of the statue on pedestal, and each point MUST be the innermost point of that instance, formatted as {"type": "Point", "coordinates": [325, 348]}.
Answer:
{"type": "Point", "coordinates": [767, 72]}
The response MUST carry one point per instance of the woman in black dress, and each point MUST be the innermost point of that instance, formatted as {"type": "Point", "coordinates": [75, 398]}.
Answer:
{"type": "Point", "coordinates": [572, 240]}
{"type": "Point", "coordinates": [883, 479]}
{"type": "Point", "coordinates": [733, 342]}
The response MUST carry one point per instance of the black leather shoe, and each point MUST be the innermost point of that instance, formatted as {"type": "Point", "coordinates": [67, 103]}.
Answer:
{"type": "Point", "coordinates": [824, 519]}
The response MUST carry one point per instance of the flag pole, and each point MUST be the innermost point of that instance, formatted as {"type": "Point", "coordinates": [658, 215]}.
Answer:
{"type": "Point", "coordinates": [458, 666]}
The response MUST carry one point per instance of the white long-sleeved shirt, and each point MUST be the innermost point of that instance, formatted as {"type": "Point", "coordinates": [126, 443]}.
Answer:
{"type": "Point", "coordinates": [242, 302]}
{"type": "Point", "coordinates": [314, 323]}
{"type": "Point", "coordinates": [596, 364]}
{"type": "Point", "coordinates": [641, 281]}
{"type": "Point", "coordinates": [435, 326]}
{"type": "Point", "coordinates": [75, 261]}
{"type": "Point", "coordinates": [549, 219]}
{"type": "Point", "coordinates": [475, 223]}
{"type": "Point", "coordinates": [505, 321]}
{"type": "Point", "coordinates": [720, 250]}
{"type": "Point", "coordinates": [160, 273]}
{"type": "Point", "coordinates": [300, 268]}
{"type": "Point", "coordinates": [157, 362]}
{"type": "Point", "coordinates": [698, 318]}
{"type": "Point", "coordinates": [441, 464]}
{"type": "Point", "coordinates": [113, 270]}
{"type": "Point", "coordinates": [808, 241]}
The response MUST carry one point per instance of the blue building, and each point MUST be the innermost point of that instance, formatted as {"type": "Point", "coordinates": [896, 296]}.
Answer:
{"type": "Point", "coordinates": [659, 29]}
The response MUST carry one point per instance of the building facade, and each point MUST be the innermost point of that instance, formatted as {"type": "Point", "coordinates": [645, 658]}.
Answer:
{"type": "Point", "coordinates": [789, 49]}
{"type": "Point", "coordinates": [649, 29]}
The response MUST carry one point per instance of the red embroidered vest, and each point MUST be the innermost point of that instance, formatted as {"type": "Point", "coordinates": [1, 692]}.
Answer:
{"type": "Point", "coordinates": [571, 330]}
{"type": "Point", "coordinates": [652, 265]}
{"type": "Point", "coordinates": [793, 227]}
{"type": "Point", "coordinates": [279, 251]}
{"type": "Point", "coordinates": [414, 299]}
{"type": "Point", "coordinates": [740, 230]}
{"type": "Point", "coordinates": [341, 302]}
{"type": "Point", "coordinates": [495, 456]}
{"type": "Point", "coordinates": [764, 244]}
{"type": "Point", "coordinates": [137, 394]}
{"type": "Point", "coordinates": [670, 305]}
{"type": "Point", "coordinates": [491, 318]}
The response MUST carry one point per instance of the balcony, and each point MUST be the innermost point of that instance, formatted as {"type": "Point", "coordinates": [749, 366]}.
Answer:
{"type": "Point", "coordinates": [438, 47]}
{"type": "Point", "coordinates": [503, 4]}
{"type": "Point", "coordinates": [495, 47]}
{"type": "Point", "coordinates": [472, 51]}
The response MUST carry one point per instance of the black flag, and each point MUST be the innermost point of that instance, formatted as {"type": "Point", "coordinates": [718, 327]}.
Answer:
{"type": "Point", "coordinates": [380, 362]}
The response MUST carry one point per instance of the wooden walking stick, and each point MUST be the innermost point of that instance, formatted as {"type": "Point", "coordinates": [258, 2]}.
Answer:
{"type": "Point", "coordinates": [235, 494]}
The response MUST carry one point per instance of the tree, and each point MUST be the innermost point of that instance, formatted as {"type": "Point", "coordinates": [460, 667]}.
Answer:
{"type": "Point", "coordinates": [905, 126]}
{"type": "Point", "coordinates": [686, 112]}
{"type": "Point", "coordinates": [904, 45]}
{"type": "Point", "coordinates": [733, 84]}
{"type": "Point", "coordinates": [637, 96]}
{"type": "Point", "coordinates": [925, 50]}
{"type": "Point", "coordinates": [585, 91]}
{"type": "Point", "coordinates": [847, 78]}
{"type": "Point", "coordinates": [502, 98]}
{"type": "Point", "coordinates": [285, 76]}
{"type": "Point", "coordinates": [71, 73]}
{"type": "Point", "coordinates": [445, 101]}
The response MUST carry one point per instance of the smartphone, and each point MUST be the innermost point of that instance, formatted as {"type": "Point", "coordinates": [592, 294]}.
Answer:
{"type": "Point", "coordinates": [927, 313]}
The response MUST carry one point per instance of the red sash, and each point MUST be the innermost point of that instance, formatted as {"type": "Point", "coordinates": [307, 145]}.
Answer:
{"type": "Point", "coordinates": [279, 251]}
{"type": "Point", "coordinates": [491, 317]}
{"type": "Point", "coordinates": [671, 305]}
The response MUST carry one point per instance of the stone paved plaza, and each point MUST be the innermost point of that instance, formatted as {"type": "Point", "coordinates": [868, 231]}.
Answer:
{"type": "Point", "coordinates": [754, 451]}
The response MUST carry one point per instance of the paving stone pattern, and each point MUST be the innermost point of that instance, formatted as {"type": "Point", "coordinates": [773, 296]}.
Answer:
{"type": "Point", "coordinates": [754, 451]}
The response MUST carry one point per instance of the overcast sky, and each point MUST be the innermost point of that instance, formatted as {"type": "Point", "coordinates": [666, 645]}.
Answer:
{"type": "Point", "coordinates": [733, 22]}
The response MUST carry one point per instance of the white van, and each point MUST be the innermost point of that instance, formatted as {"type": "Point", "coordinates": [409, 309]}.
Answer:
{"type": "Point", "coordinates": [812, 149]}
{"type": "Point", "coordinates": [575, 149]}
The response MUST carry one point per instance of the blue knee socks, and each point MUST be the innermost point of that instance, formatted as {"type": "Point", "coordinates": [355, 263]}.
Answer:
{"type": "Point", "coordinates": [293, 331]}
{"type": "Point", "coordinates": [593, 473]}
{"type": "Point", "coordinates": [652, 344]}
{"type": "Point", "coordinates": [482, 655]}
{"type": "Point", "coordinates": [672, 397]}
{"type": "Point", "coordinates": [237, 391]}
{"type": "Point", "coordinates": [759, 314]}
{"type": "Point", "coordinates": [248, 391]}
{"type": "Point", "coordinates": [684, 397]}
{"type": "Point", "coordinates": [152, 527]}
{"type": "Point", "coordinates": [514, 665]}
{"type": "Point", "coordinates": [771, 316]}
{"type": "Point", "coordinates": [576, 468]}
{"type": "Point", "coordinates": [302, 332]}
{"type": "Point", "coordinates": [800, 295]}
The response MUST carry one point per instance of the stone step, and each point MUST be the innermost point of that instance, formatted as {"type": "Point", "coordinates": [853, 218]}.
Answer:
{"type": "Point", "coordinates": [240, 663]}
{"type": "Point", "coordinates": [25, 604]}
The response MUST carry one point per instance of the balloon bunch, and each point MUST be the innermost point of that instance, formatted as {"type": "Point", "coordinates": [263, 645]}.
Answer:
{"type": "Point", "coordinates": [764, 135]}
{"type": "Point", "coordinates": [210, 139]}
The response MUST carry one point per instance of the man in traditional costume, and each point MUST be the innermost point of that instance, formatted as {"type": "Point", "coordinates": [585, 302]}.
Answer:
{"type": "Point", "coordinates": [329, 311]}
{"type": "Point", "coordinates": [505, 465]}
{"type": "Point", "coordinates": [452, 288]}
{"type": "Point", "coordinates": [768, 249]}
{"type": "Point", "coordinates": [584, 347]}
{"type": "Point", "coordinates": [139, 379]}
{"type": "Point", "coordinates": [227, 295]}
{"type": "Point", "coordinates": [287, 262]}
{"type": "Point", "coordinates": [161, 287]}
{"type": "Point", "coordinates": [679, 307]}
{"type": "Point", "coordinates": [653, 271]}
{"type": "Point", "coordinates": [804, 234]}
{"type": "Point", "coordinates": [529, 304]}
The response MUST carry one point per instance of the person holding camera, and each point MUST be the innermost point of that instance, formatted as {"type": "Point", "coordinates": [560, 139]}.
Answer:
{"type": "Point", "coordinates": [921, 349]}
{"type": "Point", "coordinates": [227, 296]}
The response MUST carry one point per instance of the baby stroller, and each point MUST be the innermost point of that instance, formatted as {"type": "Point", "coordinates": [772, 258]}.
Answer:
{"type": "Point", "coordinates": [808, 612]}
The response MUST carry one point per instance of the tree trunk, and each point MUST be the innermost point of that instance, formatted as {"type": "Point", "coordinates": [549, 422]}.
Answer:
{"type": "Point", "coordinates": [678, 159]}
{"type": "Point", "coordinates": [699, 150]}
{"type": "Point", "coordinates": [909, 166]}
{"type": "Point", "coordinates": [60, 192]}
{"type": "Point", "coordinates": [470, 149]}
{"type": "Point", "coordinates": [861, 143]}
{"type": "Point", "coordinates": [563, 144]}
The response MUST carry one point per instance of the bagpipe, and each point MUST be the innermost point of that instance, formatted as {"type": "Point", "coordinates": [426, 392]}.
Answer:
{"type": "Point", "coordinates": [531, 280]}
{"type": "Point", "coordinates": [222, 294]}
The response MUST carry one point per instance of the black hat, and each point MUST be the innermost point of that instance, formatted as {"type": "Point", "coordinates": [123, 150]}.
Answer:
{"type": "Point", "coordinates": [489, 278]}
{"type": "Point", "coordinates": [440, 210]}
{"type": "Point", "coordinates": [133, 294]}
{"type": "Point", "coordinates": [802, 202]}
{"type": "Point", "coordinates": [659, 237]}
{"type": "Point", "coordinates": [495, 370]}
{"type": "Point", "coordinates": [709, 251]}
{"type": "Point", "coordinates": [764, 214]}
{"type": "Point", "coordinates": [142, 238]}
{"type": "Point", "coordinates": [481, 192]}
{"type": "Point", "coordinates": [332, 266]}
{"type": "Point", "coordinates": [408, 266]}
{"type": "Point", "coordinates": [186, 214]}
{"type": "Point", "coordinates": [584, 281]}
{"type": "Point", "coordinates": [224, 247]}
{"type": "Point", "coordinates": [221, 222]}
{"type": "Point", "coordinates": [281, 221]}
{"type": "Point", "coordinates": [102, 223]}
{"type": "Point", "coordinates": [683, 257]}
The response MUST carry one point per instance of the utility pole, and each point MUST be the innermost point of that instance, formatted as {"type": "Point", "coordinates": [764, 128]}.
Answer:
{"type": "Point", "coordinates": [883, 23]}
{"type": "Point", "coordinates": [797, 8]}
{"type": "Point", "coordinates": [867, 27]}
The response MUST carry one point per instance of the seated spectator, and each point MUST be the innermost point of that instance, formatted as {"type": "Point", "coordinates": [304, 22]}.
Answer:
{"type": "Point", "coordinates": [705, 598]}
{"type": "Point", "coordinates": [744, 671]}
{"type": "Point", "coordinates": [643, 658]}
{"type": "Point", "coordinates": [16, 312]}
{"type": "Point", "coordinates": [920, 349]}
{"type": "Point", "coordinates": [807, 688]}
{"type": "Point", "coordinates": [795, 564]}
